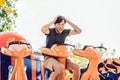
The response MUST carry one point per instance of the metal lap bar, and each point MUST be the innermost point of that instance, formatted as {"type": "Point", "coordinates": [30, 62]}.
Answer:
{"type": "Point", "coordinates": [19, 42]}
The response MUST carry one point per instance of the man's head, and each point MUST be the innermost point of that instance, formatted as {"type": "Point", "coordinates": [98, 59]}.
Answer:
{"type": "Point", "coordinates": [59, 24]}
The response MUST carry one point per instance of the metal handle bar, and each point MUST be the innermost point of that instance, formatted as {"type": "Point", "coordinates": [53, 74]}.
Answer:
{"type": "Point", "coordinates": [93, 47]}
{"type": "Point", "coordinates": [19, 42]}
{"type": "Point", "coordinates": [66, 44]}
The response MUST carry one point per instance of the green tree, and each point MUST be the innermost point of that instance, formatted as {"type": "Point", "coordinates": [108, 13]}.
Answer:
{"type": "Point", "coordinates": [8, 14]}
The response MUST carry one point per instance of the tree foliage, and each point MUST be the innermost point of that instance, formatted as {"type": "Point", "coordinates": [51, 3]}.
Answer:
{"type": "Point", "coordinates": [8, 14]}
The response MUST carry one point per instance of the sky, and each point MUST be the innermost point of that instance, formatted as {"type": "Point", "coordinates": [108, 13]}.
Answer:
{"type": "Point", "coordinates": [98, 19]}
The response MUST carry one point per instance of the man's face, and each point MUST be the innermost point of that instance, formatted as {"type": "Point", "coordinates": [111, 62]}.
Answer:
{"type": "Point", "coordinates": [60, 26]}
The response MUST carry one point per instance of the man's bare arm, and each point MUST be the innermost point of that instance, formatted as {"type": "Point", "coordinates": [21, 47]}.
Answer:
{"type": "Point", "coordinates": [45, 28]}
{"type": "Point", "coordinates": [76, 29]}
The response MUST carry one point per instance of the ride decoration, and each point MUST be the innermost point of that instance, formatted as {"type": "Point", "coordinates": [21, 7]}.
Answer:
{"type": "Point", "coordinates": [15, 45]}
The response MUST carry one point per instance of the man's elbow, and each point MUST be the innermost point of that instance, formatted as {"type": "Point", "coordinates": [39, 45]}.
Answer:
{"type": "Point", "coordinates": [79, 31]}
{"type": "Point", "coordinates": [42, 29]}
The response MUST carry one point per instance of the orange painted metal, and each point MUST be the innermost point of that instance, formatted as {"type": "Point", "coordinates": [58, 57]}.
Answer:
{"type": "Point", "coordinates": [94, 59]}
{"type": "Point", "coordinates": [61, 53]}
{"type": "Point", "coordinates": [18, 52]}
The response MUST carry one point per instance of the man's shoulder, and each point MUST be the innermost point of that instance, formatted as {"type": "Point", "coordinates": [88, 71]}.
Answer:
{"type": "Point", "coordinates": [52, 28]}
{"type": "Point", "coordinates": [67, 30]}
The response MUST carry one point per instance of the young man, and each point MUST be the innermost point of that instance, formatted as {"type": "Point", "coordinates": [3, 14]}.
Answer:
{"type": "Point", "coordinates": [57, 35]}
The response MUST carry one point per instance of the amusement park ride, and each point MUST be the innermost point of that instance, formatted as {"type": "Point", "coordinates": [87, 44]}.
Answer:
{"type": "Point", "coordinates": [15, 47]}
{"type": "Point", "coordinates": [18, 60]}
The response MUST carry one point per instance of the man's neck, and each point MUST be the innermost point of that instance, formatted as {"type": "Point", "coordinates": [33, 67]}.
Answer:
{"type": "Point", "coordinates": [57, 31]}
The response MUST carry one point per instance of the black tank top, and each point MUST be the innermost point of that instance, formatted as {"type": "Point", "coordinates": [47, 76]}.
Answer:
{"type": "Point", "coordinates": [54, 38]}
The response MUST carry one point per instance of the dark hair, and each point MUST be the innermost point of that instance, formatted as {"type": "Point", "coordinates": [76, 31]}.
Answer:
{"type": "Point", "coordinates": [59, 19]}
